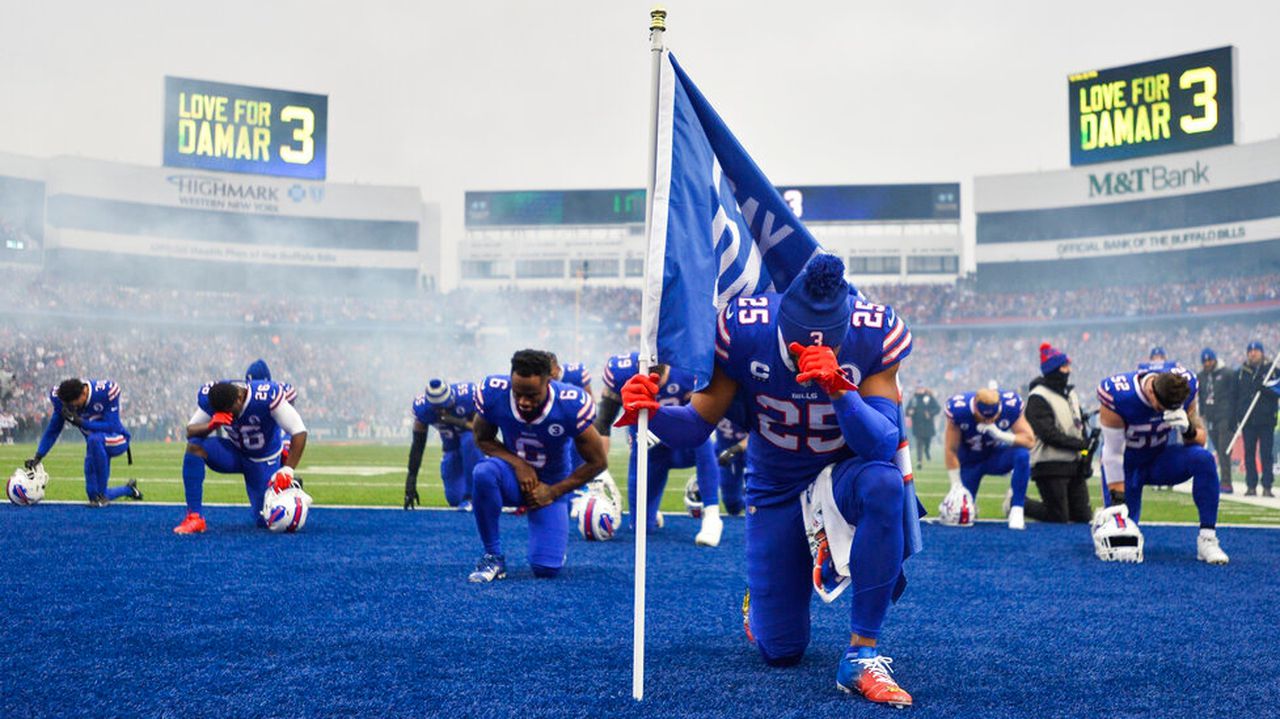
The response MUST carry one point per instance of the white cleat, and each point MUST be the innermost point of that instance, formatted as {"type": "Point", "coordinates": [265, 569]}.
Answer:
{"type": "Point", "coordinates": [1208, 550]}
{"type": "Point", "coordinates": [1016, 520]}
{"type": "Point", "coordinates": [712, 528]}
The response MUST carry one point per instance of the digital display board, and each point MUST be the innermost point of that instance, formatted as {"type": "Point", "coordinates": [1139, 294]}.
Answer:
{"type": "Point", "coordinates": [879, 203]}
{"type": "Point", "coordinates": [235, 128]}
{"type": "Point", "coordinates": [555, 207]}
{"type": "Point", "coordinates": [1174, 104]}
{"type": "Point", "coordinates": [817, 203]}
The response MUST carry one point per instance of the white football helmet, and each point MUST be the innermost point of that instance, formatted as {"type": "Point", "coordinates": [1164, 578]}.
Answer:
{"type": "Point", "coordinates": [598, 517]}
{"type": "Point", "coordinates": [26, 486]}
{"type": "Point", "coordinates": [693, 498]}
{"type": "Point", "coordinates": [285, 510]}
{"type": "Point", "coordinates": [958, 508]}
{"type": "Point", "coordinates": [1116, 538]}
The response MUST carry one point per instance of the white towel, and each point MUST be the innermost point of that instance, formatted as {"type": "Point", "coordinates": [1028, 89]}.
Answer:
{"type": "Point", "coordinates": [824, 522]}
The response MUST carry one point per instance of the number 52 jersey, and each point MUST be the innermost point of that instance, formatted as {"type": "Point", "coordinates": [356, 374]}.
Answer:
{"type": "Point", "coordinates": [544, 441]}
{"type": "Point", "coordinates": [1145, 431]}
{"type": "Point", "coordinates": [793, 427]}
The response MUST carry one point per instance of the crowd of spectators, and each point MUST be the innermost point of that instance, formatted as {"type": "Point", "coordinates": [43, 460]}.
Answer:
{"type": "Point", "coordinates": [358, 362]}
{"type": "Point", "coordinates": [472, 310]}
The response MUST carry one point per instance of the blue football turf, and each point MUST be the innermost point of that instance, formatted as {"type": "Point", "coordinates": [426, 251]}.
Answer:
{"type": "Point", "coordinates": [367, 613]}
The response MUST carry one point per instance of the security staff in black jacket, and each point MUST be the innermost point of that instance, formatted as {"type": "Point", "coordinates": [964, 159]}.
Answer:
{"type": "Point", "coordinates": [1059, 466]}
{"type": "Point", "coordinates": [1260, 427]}
{"type": "Point", "coordinates": [1217, 396]}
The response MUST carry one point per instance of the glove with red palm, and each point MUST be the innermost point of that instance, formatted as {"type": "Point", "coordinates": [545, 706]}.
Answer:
{"type": "Point", "coordinates": [220, 419]}
{"type": "Point", "coordinates": [283, 479]}
{"type": "Point", "coordinates": [640, 392]}
{"type": "Point", "coordinates": [818, 363]}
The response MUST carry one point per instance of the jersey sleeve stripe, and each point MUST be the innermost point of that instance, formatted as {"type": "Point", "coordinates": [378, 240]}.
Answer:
{"type": "Point", "coordinates": [892, 355]}
{"type": "Point", "coordinates": [893, 336]}
{"type": "Point", "coordinates": [608, 377]}
{"type": "Point", "coordinates": [722, 329]}
{"type": "Point", "coordinates": [277, 400]}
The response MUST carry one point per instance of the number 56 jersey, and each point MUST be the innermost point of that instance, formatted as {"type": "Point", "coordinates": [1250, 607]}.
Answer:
{"type": "Point", "coordinates": [255, 432]}
{"type": "Point", "coordinates": [543, 442]}
{"type": "Point", "coordinates": [793, 427]}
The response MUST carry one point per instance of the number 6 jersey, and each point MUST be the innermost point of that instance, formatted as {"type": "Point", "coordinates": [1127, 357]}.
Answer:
{"type": "Point", "coordinates": [793, 426]}
{"type": "Point", "coordinates": [543, 442]}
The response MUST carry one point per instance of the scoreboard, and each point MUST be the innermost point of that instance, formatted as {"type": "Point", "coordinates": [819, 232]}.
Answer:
{"type": "Point", "coordinates": [555, 207]}
{"type": "Point", "coordinates": [818, 203]}
{"type": "Point", "coordinates": [236, 128]}
{"type": "Point", "coordinates": [1174, 104]}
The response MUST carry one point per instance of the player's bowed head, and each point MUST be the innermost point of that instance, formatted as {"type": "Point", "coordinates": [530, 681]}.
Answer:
{"type": "Point", "coordinates": [814, 318]}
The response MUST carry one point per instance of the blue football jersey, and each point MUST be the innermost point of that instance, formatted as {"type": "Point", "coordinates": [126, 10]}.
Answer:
{"type": "Point", "coordinates": [576, 374]}
{"type": "Point", "coordinates": [102, 411]}
{"type": "Point", "coordinates": [1145, 430]}
{"type": "Point", "coordinates": [463, 406]}
{"type": "Point", "coordinates": [100, 414]}
{"type": "Point", "coordinates": [254, 432]}
{"type": "Point", "coordinates": [793, 427]}
{"type": "Point", "coordinates": [544, 442]}
{"type": "Point", "coordinates": [959, 409]}
{"type": "Point", "coordinates": [674, 392]}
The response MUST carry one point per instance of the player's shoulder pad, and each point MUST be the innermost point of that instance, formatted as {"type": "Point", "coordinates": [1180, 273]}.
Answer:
{"type": "Point", "coordinates": [741, 322]}
{"type": "Point", "coordinates": [491, 391]}
{"type": "Point", "coordinates": [619, 369]}
{"type": "Point", "coordinates": [896, 341]}
{"type": "Point", "coordinates": [956, 404]}
{"type": "Point", "coordinates": [1110, 387]}
{"type": "Point", "coordinates": [1012, 400]}
{"type": "Point", "coordinates": [575, 403]}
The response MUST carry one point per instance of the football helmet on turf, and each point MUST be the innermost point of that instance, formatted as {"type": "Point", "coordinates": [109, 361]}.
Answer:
{"type": "Point", "coordinates": [285, 510]}
{"type": "Point", "coordinates": [598, 517]}
{"type": "Point", "coordinates": [26, 486]}
{"type": "Point", "coordinates": [1116, 537]}
{"type": "Point", "coordinates": [958, 508]}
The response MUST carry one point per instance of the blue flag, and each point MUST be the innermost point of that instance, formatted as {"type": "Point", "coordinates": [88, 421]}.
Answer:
{"type": "Point", "coordinates": [719, 229]}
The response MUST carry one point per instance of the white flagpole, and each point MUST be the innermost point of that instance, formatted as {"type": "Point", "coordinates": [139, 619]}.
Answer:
{"type": "Point", "coordinates": [1247, 412]}
{"type": "Point", "coordinates": [657, 26]}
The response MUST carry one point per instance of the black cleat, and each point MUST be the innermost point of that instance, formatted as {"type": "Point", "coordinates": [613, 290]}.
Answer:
{"type": "Point", "coordinates": [135, 493]}
{"type": "Point", "coordinates": [98, 500]}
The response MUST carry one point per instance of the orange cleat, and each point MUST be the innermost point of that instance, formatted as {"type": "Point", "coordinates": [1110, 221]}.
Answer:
{"type": "Point", "coordinates": [193, 524]}
{"type": "Point", "coordinates": [864, 671]}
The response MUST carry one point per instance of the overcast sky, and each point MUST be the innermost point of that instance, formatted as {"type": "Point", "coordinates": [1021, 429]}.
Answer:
{"type": "Point", "coordinates": [521, 95]}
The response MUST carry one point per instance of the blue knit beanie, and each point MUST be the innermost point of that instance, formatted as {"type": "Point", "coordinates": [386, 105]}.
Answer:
{"type": "Point", "coordinates": [815, 308]}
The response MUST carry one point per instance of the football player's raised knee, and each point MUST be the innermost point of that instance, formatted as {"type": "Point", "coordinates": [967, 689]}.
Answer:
{"type": "Point", "coordinates": [96, 439]}
{"type": "Point", "coordinates": [881, 488]}
{"type": "Point", "coordinates": [197, 450]}
{"type": "Point", "coordinates": [485, 475]}
{"type": "Point", "coordinates": [544, 572]}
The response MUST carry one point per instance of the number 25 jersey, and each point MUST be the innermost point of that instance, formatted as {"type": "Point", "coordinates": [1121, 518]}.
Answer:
{"type": "Point", "coordinates": [793, 427]}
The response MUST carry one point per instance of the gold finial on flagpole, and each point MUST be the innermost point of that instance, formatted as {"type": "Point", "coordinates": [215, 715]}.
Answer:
{"type": "Point", "coordinates": [658, 18]}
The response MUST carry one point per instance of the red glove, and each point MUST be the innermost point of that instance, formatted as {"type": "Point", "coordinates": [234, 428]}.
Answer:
{"type": "Point", "coordinates": [818, 363]}
{"type": "Point", "coordinates": [220, 419]}
{"type": "Point", "coordinates": [283, 479]}
{"type": "Point", "coordinates": [640, 392]}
